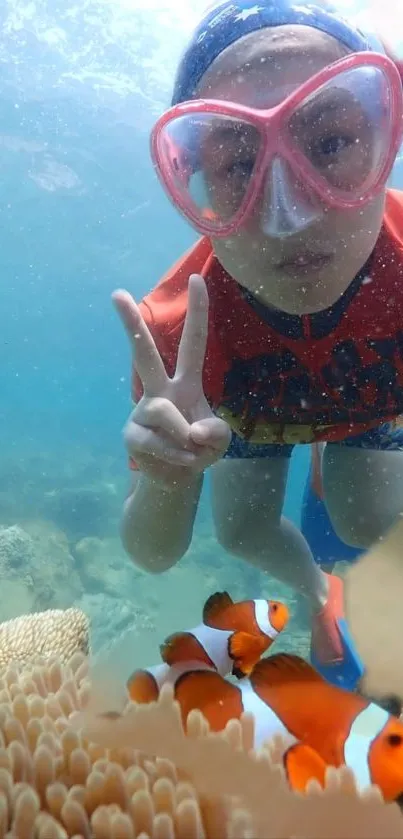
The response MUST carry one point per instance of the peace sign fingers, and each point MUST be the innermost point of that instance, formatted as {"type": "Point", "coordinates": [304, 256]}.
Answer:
{"type": "Point", "coordinates": [192, 347]}
{"type": "Point", "coordinates": [149, 364]}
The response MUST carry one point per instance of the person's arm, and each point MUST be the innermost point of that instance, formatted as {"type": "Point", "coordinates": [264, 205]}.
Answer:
{"type": "Point", "coordinates": [172, 435]}
{"type": "Point", "coordinates": [157, 523]}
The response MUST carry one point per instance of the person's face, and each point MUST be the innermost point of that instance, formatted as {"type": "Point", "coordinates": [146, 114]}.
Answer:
{"type": "Point", "coordinates": [308, 270]}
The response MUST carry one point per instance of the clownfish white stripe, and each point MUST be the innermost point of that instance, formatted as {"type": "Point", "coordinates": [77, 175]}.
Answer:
{"type": "Point", "coordinates": [165, 675]}
{"type": "Point", "coordinates": [159, 673]}
{"type": "Point", "coordinates": [267, 723]}
{"type": "Point", "coordinates": [215, 643]}
{"type": "Point", "coordinates": [262, 619]}
{"type": "Point", "coordinates": [178, 670]}
{"type": "Point", "coordinates": [368, 724]}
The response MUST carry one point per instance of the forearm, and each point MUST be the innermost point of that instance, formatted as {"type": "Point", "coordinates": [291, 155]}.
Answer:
{"type": "Point", "coordinates": [157, 523]}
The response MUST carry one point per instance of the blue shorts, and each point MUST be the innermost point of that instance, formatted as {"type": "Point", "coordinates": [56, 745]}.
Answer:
{"type": "Point", "coordinates": [384, 438]}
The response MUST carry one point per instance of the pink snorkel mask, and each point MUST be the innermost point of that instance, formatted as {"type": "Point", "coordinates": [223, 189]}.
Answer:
{"type": "Point", "coordinates": [331, 142]}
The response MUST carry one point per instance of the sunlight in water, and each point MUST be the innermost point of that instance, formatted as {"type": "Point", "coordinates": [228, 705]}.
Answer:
{"type": "Point", "coordinates": [115, 48]}
{"type": "Point", "coordinates": [388, 18]}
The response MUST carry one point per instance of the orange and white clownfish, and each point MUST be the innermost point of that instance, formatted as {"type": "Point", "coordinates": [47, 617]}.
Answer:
{"type": "Point", "coordinates": [198, 686]}
{"type": "Point", "coordinates": [343, 728]}
{"type": "Point", "coordinates": [232, 636]}
{"type": "Point", "coordinates": [231, 639]}
{"type": "Point", "coordinates": [324, 724]}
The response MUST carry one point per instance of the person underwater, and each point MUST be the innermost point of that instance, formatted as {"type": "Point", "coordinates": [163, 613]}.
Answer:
{"type": "Point", "coordinates": [282, 325]}
{"type": "Point", "coordinates": [230, 640]}
{"type": "Point", "coordinates": [322, 725]}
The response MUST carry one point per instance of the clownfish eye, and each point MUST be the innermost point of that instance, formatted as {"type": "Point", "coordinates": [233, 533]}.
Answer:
{"type": "Point", "coordinates": [395, 739]}
{"type": "Point", "coordinates": [274, 607]}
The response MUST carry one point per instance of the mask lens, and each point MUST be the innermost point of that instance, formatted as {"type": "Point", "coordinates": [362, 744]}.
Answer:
{"type": "Point", "coordinates": [210, 160]}
{"type": "Point", "coordinates": [342, 133]}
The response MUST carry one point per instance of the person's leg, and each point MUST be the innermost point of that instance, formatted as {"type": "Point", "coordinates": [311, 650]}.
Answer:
{"type": "Point", "coordinates": [363, 484]}
{"type": "Point", "coordinates": [327, 567]}
{"type": "Point", "coordinates": [363, 491]}
{"type": "Point", "coordinates": [247, 497]}
{"type": "Point", "coordinates": [248, 489]}
{"type": "Point", "coordinates": [326, 546]}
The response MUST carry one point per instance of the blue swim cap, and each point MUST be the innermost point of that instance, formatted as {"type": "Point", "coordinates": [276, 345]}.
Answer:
{"type": "Point", "coordinates": [229, 20]}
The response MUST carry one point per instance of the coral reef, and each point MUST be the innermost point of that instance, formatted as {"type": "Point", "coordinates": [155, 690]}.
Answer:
{"type": "Point", "coordinates": [61, 632]}
{"type": "Point", "coordinates": [40, 569]}
{"type": "Point", "coordinates": [37, 570]}
{"type": "Point", "coordinates": [74, 492]}
{"type": "Point", "coordinates": [59, 546]}
{"type": "Point", "coordinates": [84, 511]}
{"type": "Point", "coordinates": [112, 776]}
{"type": "Point", "coordinates": [124, 617]}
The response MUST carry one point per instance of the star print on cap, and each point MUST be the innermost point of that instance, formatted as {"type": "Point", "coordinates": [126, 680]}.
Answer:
{"type": "Point", "coordinates": [229, 20]}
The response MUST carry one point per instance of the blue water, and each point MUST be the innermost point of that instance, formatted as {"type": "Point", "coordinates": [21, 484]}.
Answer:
{"type": "Point", "coordinates": [77, 222]}
{"type": "Point", "coordinates": [81, 215]}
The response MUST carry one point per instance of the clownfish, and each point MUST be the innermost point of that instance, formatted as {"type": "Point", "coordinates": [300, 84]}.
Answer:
{"type": "Point", "coordinates": [232, 636]}
{"type": "Point", "coordinates": [288, 697]}
{"type": "Point", "coordinates": [343, 728]}
{"type": "Point", "coordinates": [198, 686]}
{"type": "Point", "coordinates": [231, 639]}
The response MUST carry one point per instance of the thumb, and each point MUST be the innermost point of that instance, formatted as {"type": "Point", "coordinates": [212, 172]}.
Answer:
{"type": "Point", "coordinates": [212, 431]}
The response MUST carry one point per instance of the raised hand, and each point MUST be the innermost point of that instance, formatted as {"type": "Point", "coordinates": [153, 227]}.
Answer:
{"type": "Point", "coordinates": [172, 429]}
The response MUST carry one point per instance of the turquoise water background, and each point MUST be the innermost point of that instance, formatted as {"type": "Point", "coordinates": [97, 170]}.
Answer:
{"type": "Point", "coordinates": [82, 214]}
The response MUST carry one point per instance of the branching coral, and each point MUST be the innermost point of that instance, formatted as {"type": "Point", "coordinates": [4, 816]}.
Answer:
{"type": "Point", "coordinates": [139, 775]}
{"type": "Point", "coordinates": [59, 632]}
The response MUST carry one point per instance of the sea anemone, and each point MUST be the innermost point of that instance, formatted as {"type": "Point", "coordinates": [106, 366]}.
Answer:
{"type": "Point", "coordinates": [67, 771]}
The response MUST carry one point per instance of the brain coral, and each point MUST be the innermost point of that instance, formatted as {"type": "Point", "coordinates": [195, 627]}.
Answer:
{"type": "Point", "coordinates": [59, 632]}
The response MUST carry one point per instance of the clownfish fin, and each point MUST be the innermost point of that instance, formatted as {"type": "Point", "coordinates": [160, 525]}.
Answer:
{"type": "Point", "coordinates": [284, 668]}
{"type": "Point", "coordinates": [142, 687]}
{"type": "Point", "coordinates": [181, 647]}
{"type": "Point", "coordinates": [245, 651]}
{"type": "Point", "coordinates": [302, 764]}
{"type": "Point", "coordinates": [215, 605]}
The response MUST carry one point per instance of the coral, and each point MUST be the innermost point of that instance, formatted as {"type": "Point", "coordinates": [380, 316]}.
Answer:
{"type": "Point", "coordinates": [104, 567]}
{"type": "Point", "coordinates": [37, 570]}
{"type": "Point", "coordinates": [31, 483]}
{"type": "Point", "coordinates": [124, 618]}
{"type": "Point", "coordinates": [53, 632]}
{"type": "Point", "coordinates": [84, 511]}
{"type": "Point", "coordinates": [16, 549]}
{"type": "Point", "coordinates": [121, 776]}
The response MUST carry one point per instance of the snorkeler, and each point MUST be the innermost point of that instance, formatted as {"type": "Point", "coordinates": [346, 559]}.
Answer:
{"type": "Point", "coordinates": [283, 324]}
